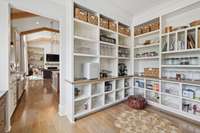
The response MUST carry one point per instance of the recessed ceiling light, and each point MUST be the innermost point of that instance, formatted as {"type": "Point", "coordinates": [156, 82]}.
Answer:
{"type": "Point", "coordinates": [37, 22]}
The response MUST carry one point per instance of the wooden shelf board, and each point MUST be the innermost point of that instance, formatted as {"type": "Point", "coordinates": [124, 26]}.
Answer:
{"type": "Point", "coordinates": [108, 57]}
{"type": "Point", "coordinates": [147, 34]}
{"type": "Point", "coordinates": [182, 66]}
{"type": "Point", "coordinates": [124, 46]}
{"type": "Point", "coordinates": [107, 43]}
{"type": "Point", "coordinates": [147, 46]}
{"type": "Point", "coordinates": [189, 99]}
{"type": "Point", "coordinates": [108, 30]}
{"type": "Point", "coordinates": [182, 51]}
{"type": "Point", "coordinates": [181, 30]}
{"type": "Point", "coordinates": [123, 35]}
{"type": "Point", "coordinates": [81, 98]}
{"type": "Point", "coordinates": [85, 55]}
{"type": "Point", "coordinates": [85, 39]}
{"type": "Point", "coordinates": [124, 58]}
{"type": "Point", "coordinates": [86, 23]}
{"type": "Point", "coordinates": [170, 95]}
{"type": "Point", "coordinates": [147, 58]}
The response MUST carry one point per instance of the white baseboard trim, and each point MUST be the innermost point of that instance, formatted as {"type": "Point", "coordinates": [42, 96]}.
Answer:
{"type": "Point", "coordinates": [62, 112]}
{"type": "Point", "coordinates": [8, 128]}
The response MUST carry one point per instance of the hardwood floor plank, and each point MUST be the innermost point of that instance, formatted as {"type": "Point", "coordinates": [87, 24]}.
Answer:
{"type": "Point", "coordinates": [37, 113]}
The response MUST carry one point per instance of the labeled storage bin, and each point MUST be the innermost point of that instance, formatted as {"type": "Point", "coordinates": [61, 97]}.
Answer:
{"type": "Point", "coordinates": [81, 14]}
{"type": "Point", "coordinates": [151, 72]}
{"type": "Point", "coordinates": [112, 25]}
{"type": "Point", "coordinates": [104, 22]}
{"type": "Point", "coordinates": [92, 18]}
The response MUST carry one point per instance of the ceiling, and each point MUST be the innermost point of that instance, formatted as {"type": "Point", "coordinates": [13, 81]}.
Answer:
{"type": "Point", "coordinates": [132, 7]}
{"type": "Point", "coordinates": [135, 7]}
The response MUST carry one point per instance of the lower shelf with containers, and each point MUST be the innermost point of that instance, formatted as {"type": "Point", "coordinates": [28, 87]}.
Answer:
{"type": "Point", "coordinates": [172, 95]}
{"type": "Point", "coordinates": [95, 95]}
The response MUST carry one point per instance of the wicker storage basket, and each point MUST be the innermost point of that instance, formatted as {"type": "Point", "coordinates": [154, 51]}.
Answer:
{"type": "Point", "coordinates": [93, 19]}
{"type": "Point", "coordinates": [112, 26]}
{"type": "Point", "coordinates": [146, 29]}
{"type": "Point", "coordinates": [151, 72]}
{"type": "Point", "coordinates": [127, 31]}
{"type": "Point", "coordinates": [121, 29]}
{"type": "Point", "coordinates": [154, 26]}
{"type": "Point", "coordinates": [138, 31]}
{"type": "Point", "coordinates": [81, 14]}
{"type": "Point", "coordinates": [195, 23]}
{"type": "Point", "coordinates": [104, 23]}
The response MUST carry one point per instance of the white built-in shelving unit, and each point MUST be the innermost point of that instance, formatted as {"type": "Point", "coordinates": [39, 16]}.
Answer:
{"type": "Point", "coordinates": [93, 95]}
{"type": "Point", "coordinates": [181, 97]}
{"type": "Point", "coordinates": [171, 49]}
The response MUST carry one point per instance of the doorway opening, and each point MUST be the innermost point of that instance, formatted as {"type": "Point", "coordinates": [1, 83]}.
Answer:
{"type": "Point", "coordinates": [34, 63]}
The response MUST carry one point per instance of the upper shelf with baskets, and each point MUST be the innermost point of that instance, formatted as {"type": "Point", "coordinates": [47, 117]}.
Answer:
{"type": "Point", "coordinates": [148, 28]}
{"type": "Point", "coordinates": [107, 24]}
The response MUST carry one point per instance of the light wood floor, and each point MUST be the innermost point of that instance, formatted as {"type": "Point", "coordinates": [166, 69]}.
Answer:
{"type": "Point", "coordinates": [37, 113]}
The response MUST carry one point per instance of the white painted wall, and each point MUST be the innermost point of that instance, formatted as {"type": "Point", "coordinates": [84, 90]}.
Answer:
{"type": "Point", "coordinates": [30, 23]}
{"type": "Point", "coordinates": [161, 10]}
{"type": "Point", "coordinates": [47, 46]}
{"type": "Point", "coordinates": [4, 45]}
{"type": "Point", "coordinates": [43, 8]}
{"type": "Point", "coordinates": [66, 93]}
{"type": "Point", "coordinates": [173, 19]}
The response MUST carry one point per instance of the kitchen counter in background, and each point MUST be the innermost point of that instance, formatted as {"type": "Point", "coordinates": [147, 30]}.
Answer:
{"type": "Point", "coordinates": [16, 89]}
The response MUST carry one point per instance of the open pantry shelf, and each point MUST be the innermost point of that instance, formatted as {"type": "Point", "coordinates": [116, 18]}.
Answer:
{"type": "Point", "coordinates": [81, 92]}
{"type": "Point", "coordinates": [147, 58]}
{"type": "Point", "coordinates": [81, 107]}
{"type": "Point", "coordinates": [83, 22]}
{"type": "Point", "coordinates": [147, 34]}
{"type": "Point", "coordinates": [97, 102]}
{"type": "Point", "coordinates": [107, 43]}
{"type": "Point", "coordinates": [182, 51]}
{"type": "Point", "coordinates": [182, 66]}
{"type": "Point", "coordinates": [109, 98]}
{"type": "Point", "coordinates": [119, 95]}
{"type": "Point", "coordinates": [175, 85]}
{"type": "Point", "coordinates": [146, 46]}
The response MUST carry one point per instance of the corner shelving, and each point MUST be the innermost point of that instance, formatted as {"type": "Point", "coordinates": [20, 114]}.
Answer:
{"type": "Point", "coordinates": [146, 46]}
{"type": "Point", "coordinates": [147, 34]}
{"type": "Point", "coordinates": [119, 95]}
{"type": "Point", "coordinates": [134, 53]}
